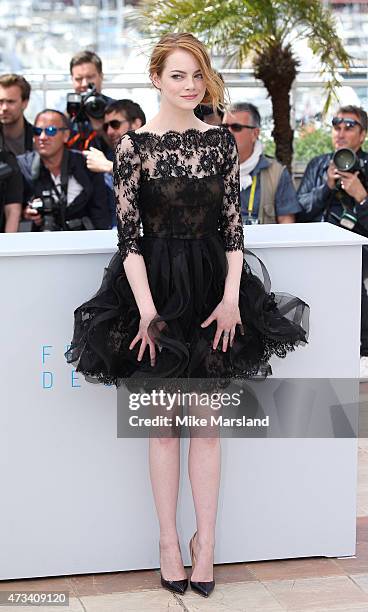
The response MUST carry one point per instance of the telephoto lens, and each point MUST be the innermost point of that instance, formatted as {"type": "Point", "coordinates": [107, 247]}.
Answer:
{"type": "Point", "coordinates": [346, 160]}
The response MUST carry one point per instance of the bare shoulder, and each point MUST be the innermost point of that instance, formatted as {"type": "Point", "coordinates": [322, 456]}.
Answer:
{"type": "Point", "coordinates": [201, 126]}
{"type": "Point", "coordinates": [148, 127]}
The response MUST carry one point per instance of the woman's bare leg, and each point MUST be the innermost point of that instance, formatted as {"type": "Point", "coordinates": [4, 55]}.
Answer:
{"type": "Point", "coordinates": [204, 474]}
{"type": "Point", "coordinates": [164, 458]}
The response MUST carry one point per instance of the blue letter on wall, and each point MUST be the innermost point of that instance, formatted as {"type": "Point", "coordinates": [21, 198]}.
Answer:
{"type": "Point", "coordinates": [47, 380]}
{"type": "Point", "coordinates": [44, 352]}
{"type": "Point", "coordinates": [75, 379]}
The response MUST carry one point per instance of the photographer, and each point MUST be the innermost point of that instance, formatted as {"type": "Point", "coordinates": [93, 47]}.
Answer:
{"type": "Point", "coordinates": [319, 195]}
{"type": "Point", "coordinates": [60, 192]}
{"type": "Point", "coordinates": [120, 117]}
{"type": "Point", "coordinates": [86, 107]}
{"type": "Point", "coordinates": [328, 193]}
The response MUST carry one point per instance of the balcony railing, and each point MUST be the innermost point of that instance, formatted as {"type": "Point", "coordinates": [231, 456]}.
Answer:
{"type": "Point", "coordinates": [307, 96]}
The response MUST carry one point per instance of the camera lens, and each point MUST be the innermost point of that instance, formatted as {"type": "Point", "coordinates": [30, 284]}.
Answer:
{"type": "Point", "coordinates": [344, 160]}
{"type": "Point", "coordinates": [95, 106]}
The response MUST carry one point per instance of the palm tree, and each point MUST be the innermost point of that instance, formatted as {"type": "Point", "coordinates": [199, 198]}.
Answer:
{"type": "Point", "coordinates": [263, 31]}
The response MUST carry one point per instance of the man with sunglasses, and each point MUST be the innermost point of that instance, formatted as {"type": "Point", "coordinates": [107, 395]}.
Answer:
{"type": "Point", "coordinates": [80, 195]}
{"type": "Point", "coordinates": [321, 200]}
{"type": "Point", "coordinates": [267, 193]}
{"type": "Point", "coordinates": [120, 117]}
{"type": "Point", "coordinates": [317, 193]}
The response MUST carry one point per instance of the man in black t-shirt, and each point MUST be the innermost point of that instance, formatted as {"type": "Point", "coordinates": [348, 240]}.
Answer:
{"type": "Point", "coordinates": [11, 190]}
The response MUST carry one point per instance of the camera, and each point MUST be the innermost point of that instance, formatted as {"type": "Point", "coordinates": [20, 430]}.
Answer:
{"type": "Point", "coordinates": [89, 104]}
{"type": "Point", "coordinates": [346, 160]}
{"type": "Point", "coordinates": [52, 209]}
{"type": "Point", "coordinates": [48, 206]}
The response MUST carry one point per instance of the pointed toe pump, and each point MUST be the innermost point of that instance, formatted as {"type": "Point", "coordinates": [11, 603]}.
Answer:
{"type": "Point", "coordinates": [175, 586]}
{"type": "Point", "coordinates": [202, 588]}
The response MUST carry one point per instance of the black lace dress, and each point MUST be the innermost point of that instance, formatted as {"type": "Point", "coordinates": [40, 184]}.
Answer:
{"type": "Point", "coordinates": [178, 206]}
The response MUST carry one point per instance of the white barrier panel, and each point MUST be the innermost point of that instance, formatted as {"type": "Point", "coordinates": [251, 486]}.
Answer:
{"type": "Point", "coordinates": [76, 499]}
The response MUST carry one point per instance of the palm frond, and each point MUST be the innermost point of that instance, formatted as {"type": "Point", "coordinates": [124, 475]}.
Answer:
{"type": "Point", "coordinates": [263, 31]}
{"type": "Point", "coordinates": [238, 28]}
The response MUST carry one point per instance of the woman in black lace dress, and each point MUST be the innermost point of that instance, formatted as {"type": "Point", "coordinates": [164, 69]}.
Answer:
{"type": "Point", "coordinates": [179, 301]}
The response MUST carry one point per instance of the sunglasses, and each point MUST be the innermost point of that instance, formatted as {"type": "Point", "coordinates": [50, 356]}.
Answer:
{"type": "Point", "coordinates": [114, 124]}
{"type": "Point", "coordinates": [238, 127]}
{"type": "Point", "coordinates": [50, 130]}
{"type": "Point", "coordinates": [349, 123]}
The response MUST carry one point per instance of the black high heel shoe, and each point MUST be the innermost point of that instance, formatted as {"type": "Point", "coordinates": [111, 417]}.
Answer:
{"type": "Point", "coordinates": [175, 586]}
{"type": "Point", "coordinates": [202, 588]}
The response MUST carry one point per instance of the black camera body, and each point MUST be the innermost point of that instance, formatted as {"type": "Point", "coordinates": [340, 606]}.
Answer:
{"type": "Point", "coordinates": [52, 209]}
{"type": "Point", "coordinates": [346, 160]}
{"type": "Point", "coordinates": [48, 206]}
{"type": "Point", "coordinates": [81, 107]}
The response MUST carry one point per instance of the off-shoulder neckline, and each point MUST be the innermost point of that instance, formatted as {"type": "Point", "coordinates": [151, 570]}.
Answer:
{"type": "Point", "coordinates": [218, 128]}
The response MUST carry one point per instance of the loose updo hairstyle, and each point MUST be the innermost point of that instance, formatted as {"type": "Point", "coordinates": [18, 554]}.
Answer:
{"type": "Point", "coordinates": [215, 88]}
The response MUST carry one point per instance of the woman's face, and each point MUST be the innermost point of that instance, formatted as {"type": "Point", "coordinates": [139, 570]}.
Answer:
{"type": "Point", "coordinates": [181, 82]}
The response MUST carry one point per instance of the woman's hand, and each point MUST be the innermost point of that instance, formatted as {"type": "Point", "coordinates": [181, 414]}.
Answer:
{"type": "Point", "coordinates": [227, 316]}
{"type": "Point", "coordinates": [142, 335]}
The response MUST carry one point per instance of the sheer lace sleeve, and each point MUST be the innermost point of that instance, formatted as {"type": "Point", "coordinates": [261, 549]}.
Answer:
{"type": "Point", "coordinates": [127, 170]}
{"type": "Point", "coordinates": [231, 226]}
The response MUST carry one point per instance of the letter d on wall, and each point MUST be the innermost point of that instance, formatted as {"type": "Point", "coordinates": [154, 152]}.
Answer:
{"type": "Point", "coordinates": [47, 380]}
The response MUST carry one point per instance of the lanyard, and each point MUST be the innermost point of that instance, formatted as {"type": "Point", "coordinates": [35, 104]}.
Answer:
{"type": "Point", "coordinates": [84, 141]}
{"type": "Point", "coordinates": [252, 195]}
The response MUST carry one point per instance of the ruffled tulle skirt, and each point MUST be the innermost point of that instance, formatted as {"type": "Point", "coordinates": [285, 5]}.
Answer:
{"type": "Point", "coordinates": [186, 279]}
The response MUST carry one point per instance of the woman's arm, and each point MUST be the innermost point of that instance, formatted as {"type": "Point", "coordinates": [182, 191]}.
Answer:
{"type": "Point", "coordinates": [231, 229]}
{"type": "Point", "coordinates": [232, 282]}
{"type": "Point", "coordinates": [136, 272]}
{"type": "Point", "coordinates": [127, 169]}
{"type": "Point", "coordinates": [231, 225]}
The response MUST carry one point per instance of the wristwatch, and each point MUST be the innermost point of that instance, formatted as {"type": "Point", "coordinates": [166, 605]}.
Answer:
{"type": "Point", "coordinates": [365, 201]}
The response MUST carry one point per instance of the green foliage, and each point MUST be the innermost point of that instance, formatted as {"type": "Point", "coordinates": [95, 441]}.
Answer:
{"type": "Point", "coordinates": [268, 146]}
{"type": "Point", "coordinates": [306, 144]}
{"type": "Point", "coordinates": [311, 144]}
